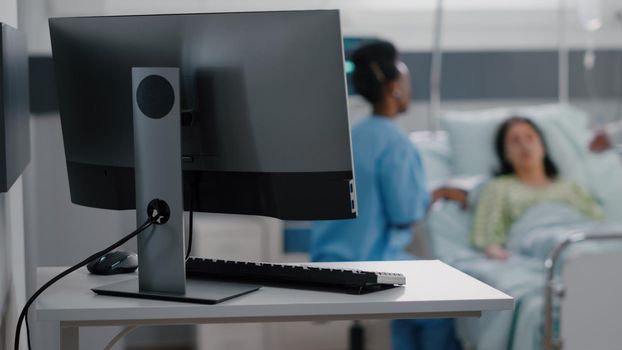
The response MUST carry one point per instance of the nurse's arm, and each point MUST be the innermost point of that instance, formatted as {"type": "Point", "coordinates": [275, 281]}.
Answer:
{"type": "Point", "coordinates": [452, 194]}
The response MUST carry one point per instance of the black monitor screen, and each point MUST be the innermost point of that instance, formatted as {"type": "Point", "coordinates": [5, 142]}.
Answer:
{"type": "Point", "coordinates": [14, 113]}
{"type": "Point", "coordinates": [265, 123]}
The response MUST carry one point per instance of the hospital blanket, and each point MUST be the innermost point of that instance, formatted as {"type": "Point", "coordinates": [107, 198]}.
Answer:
{"type": "Point", "coordinates": [531, 239]}
{"type": "Point", "coordinates": [544, 226]}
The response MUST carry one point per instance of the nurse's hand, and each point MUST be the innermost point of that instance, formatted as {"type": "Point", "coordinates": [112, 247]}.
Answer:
{"type": "Point", "coordinates": [451, 194]}
{"type": "Point", "coordinates": [497, 252]}
{"type": "Point", "coordinates": [600, 142]}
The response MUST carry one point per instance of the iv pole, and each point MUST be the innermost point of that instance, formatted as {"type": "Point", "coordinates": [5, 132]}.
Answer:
{"type": "Point", "coordinates": [562, 54]}
{"type": "Point", "coordinates": [434, 108]}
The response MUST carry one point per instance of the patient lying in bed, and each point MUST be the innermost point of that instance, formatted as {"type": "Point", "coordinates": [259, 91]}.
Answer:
{"type": "Point", "coordinates": [527, 179]}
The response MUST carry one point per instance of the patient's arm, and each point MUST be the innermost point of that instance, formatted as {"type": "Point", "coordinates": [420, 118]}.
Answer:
{"type": "Point", "coordinates": [497, 252]}
{"type": "Point", "coordinates": [584, 202]}
{"type": "Point", "coordinates": [607, 137]}
{"type": "Point", "coordinates": [600, 142]}
{"type": "Point", "coordinates": [452, 194]}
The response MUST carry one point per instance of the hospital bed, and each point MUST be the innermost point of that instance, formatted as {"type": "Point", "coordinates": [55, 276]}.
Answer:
{"type": "Point", "coordinates": [570, 296]}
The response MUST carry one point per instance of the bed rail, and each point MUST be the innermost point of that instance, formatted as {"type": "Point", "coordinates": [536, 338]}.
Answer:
{"type": "Point", "coordinates": [554, 287]}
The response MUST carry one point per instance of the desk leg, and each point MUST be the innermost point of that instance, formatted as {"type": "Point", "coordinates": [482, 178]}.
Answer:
{"type": "Point", "coordinates": [357, 336]}
{"type": "Point", "coordinates": [69, 338]}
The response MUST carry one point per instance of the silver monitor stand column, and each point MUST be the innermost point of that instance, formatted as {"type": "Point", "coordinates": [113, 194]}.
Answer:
{"type": "Point", "coordinates": [157, 164]}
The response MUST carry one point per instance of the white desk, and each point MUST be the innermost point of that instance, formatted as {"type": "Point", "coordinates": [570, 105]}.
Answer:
{"type": "Point", "coordinates": [433, 289]}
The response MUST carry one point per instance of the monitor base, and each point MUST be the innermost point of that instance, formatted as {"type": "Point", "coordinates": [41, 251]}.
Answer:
{"type": "Point", "coordinates": [197, 291]}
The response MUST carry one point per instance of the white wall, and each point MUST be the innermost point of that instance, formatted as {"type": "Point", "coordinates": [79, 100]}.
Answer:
{"type": "Point", "coordinates": [66, 233]}
{"type": "Point", "coordinates": [13, 228]}
{"type": "Point", "coordinates": [8, 12]}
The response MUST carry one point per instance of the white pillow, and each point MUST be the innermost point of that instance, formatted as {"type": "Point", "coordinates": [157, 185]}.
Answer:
{"type": "Point", "coordinates": [472, 133]}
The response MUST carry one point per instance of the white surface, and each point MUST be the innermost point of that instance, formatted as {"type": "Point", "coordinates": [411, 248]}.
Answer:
{"type": "Point", "coordinates": [12, 260]}
{"type": "Point", "coordinates": [432, 287]}
{"type": "Point", "coordinates": [14, 227]}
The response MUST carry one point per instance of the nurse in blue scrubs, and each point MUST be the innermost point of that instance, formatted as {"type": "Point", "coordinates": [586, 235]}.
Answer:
{"type": "Point", "coordinates": [390, 185]}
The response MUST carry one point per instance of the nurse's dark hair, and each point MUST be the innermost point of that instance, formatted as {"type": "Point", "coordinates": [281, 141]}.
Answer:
{"type": "Point", "coordinates": [506, 167]}
{"type": "Point", "coordinates": [374, 67]}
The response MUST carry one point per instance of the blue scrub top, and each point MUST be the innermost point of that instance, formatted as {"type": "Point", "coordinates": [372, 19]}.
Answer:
{"type": "Point", "coordinates": [391, 195]}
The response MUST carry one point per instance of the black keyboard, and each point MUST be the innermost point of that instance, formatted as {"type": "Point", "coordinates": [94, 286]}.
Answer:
{"type": "Point", "coordinates": [293, 275]}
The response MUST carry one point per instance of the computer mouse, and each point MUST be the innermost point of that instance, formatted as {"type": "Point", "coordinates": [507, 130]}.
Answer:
{"type": "Point", "coordinates": [114, 263]}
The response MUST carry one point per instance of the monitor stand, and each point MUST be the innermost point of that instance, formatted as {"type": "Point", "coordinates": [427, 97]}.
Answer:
{"type": "Point", "coordinates": [197, 291]}
{"type": "Point", "coordinates": [158, 174]}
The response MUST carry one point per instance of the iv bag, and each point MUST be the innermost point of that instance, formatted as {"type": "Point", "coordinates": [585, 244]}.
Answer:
{"type": "Point", "coordinates": [590, 14]}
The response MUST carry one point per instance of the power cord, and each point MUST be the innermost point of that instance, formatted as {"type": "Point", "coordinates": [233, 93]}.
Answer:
{"type": "Point", "coordinates": [154, 218]}
{"type": "Point", "coordinates": [190, 221]}
{"type": "Point", "coordinates": [189, 248]}
{"type": "Point", "coordinates": [27, 331]}
{"type": "Point", "coordinates": [127, 330]}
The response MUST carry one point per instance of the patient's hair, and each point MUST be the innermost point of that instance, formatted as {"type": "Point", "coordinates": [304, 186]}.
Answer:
{"type": "Point", "coordinates": [374, 67]}
{"type": "Point", "coordinates": [506, 167]}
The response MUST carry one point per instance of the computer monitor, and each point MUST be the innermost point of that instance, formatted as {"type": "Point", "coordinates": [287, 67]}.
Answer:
{"type": "Point", "coordinates": [264, 122]}
{"type": "Point", "coordinates": [265, 127]}
{"type": "Point", "coordinates": [14, 113]}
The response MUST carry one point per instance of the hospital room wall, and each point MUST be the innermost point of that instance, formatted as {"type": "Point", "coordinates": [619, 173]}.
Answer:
{"type": "Point", "coordinates": [482, 24]}
{"type": "Point", "coordinates": [12, 234]}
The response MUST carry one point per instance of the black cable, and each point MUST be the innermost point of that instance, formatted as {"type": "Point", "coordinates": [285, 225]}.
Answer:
{"type": "Point", "coordinates": [22, 315]}
{"type": "Point", "coordinates": [189, 249]}
{"type": "Point", "coordinates": [190, 216]}
{"type": "Point", "coordinates": [27, 331]}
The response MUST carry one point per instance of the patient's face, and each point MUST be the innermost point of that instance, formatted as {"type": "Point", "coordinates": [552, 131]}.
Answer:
{"type": "Point", "coordinates": [523, 146]}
